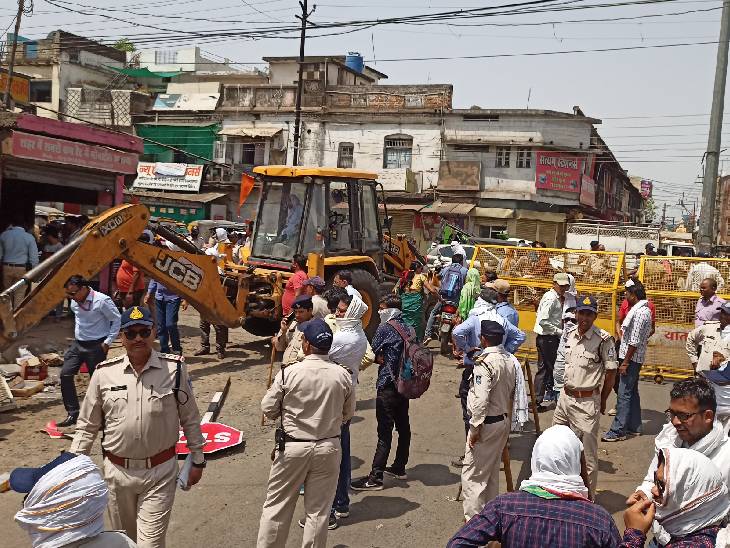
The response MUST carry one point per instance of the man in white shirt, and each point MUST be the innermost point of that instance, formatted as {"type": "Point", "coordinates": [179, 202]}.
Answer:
{"type": "Point", "coordinates": [549, 328]}
{"type": "Point", "coordinates": [343, 279]}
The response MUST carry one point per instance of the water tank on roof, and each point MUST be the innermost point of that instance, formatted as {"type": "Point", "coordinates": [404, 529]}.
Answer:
{"type": "Point", "coordinates": [354, 61]}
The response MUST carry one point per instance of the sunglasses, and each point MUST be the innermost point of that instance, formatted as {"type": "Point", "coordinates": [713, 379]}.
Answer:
{"type": "Point", "coordinates": [132, 334]}
{"type": "Point", "coordinates": [683, 417]}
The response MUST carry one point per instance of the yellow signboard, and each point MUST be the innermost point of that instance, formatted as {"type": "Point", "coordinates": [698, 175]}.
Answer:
{"type": "Point", "coordinates": [19, 88]}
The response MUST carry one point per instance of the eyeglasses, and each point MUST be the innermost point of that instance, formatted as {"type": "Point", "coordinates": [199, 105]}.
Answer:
{"type": "Point", "coordinates": [683, 417]}
{"type": "Point", "coordinates": [661, 485]}
{"type": "Point", "coordinates": [132, 334]}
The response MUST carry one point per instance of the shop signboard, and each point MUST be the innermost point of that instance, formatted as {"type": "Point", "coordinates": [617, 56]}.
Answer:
{"type": "Point", "coordinates": [19, 87]}
{"type": "Point", "coordinates": [558, 171]}
{"type": "Point", "coordinates": [170, 177]}
{"type": "Point", "coordinates": [588, 191]}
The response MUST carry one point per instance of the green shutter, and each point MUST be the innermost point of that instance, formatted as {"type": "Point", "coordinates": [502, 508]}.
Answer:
{"type": "Point", "coordinates": [197, 140]}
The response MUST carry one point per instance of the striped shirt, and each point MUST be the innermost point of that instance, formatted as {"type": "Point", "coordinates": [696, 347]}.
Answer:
{"type": "Point", "coordinates": [520, 519]}
{"type": "Point", "coordinates": [636, 334]}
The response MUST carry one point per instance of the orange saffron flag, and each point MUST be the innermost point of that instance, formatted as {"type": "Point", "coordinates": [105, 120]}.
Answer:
{"type": "Point", "coordinates": [246, 188]}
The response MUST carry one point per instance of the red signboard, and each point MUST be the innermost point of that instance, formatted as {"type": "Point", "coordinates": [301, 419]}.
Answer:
{"type": "Point", "coordinates": [588, 191]}
{"type": "Point", "coordinates": [217, 437]}
{"type": "Point", "coordinates": [60, 151]}
{"type": "Point", "coordinates": [558, 171]}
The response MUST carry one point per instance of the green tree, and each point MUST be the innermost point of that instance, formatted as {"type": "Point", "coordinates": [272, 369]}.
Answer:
{"type": "Point", "coordinates": [650, 210]}
{"type": "Point", "coordinates": [124, 44]}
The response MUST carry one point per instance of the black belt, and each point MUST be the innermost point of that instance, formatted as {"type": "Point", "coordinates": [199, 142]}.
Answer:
{"type": "Point", "coordinates": [15, 265]}
{"type": "Point", "coordinates": [91, 343]}
{"type": "Point", "coordinates": [287, 437]}
{"type": "Point", "coordinates": [493, 419]}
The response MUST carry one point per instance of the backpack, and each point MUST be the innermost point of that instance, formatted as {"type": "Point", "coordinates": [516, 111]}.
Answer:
{"type": "Point", "coordinates": [416, 365]}
{"type": "Point", "coordinates": [452, 281]}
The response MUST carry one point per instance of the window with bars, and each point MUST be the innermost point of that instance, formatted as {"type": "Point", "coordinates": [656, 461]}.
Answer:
{"type": "Point", "coordinates": [502, 157]}
{"type": "Point", "coordinates": [398, 152]}
{"type": "Point", "coordinates": [165, 56]}
{"type": "Point", "coordinates": [345, 155]}
{"type": "Point", "coordinates": [524, 157]}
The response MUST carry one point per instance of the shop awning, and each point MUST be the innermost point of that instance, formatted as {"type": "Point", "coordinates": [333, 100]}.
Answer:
{"type": "Point", "coordinates": [142, 72]}
{"type": "Point", "coordinates": [493, 212]}
{"type": "Point", "coordinates": [403, 207]}
{"type": "Point", "coordinates": [200, 198]}
{"type": "Point", "coordinates": [448, 208]}
{"type": "Point", "coordinates": [541, 216]}
{"type": "Point", "coordinates": [252, 130]}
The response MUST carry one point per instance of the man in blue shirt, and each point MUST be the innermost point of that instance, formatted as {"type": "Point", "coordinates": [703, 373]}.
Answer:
{"type": "Point", "coordinates": [503, 307]}
{"type": "Point", "coordinates": [18, 251]}
{"type": "Point", "coordinates": [96, 325]}
{"type": "Point", "coordinates": [452, 280]}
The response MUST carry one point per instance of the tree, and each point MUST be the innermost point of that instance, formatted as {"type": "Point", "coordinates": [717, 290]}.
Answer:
{"type": "Point", "coordinates": [650, 210]}
{"type": "Point", "coordinates": [124, 44]}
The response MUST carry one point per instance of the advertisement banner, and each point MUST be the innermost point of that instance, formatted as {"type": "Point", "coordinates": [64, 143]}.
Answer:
{"type": "Point", "coordinates": [646, 188]}
{"type": "Point", "coordinates": [558, 171]}
{"type": "Point", "coordinates": [19, 87]}
{"type": "Point", "coordinates": [173, 177]}
{"type": "Point", "coordinates": [588, 191]}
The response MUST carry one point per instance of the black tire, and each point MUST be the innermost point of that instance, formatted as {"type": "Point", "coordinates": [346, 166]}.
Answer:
{"type": "Point", "coordinates": [445, 339]}
{"type": "Point", "coordinates": [368, 287]}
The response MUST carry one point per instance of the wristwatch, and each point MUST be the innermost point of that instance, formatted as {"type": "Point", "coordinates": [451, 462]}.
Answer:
{"type": "Point", "coordinates": [200, 465]}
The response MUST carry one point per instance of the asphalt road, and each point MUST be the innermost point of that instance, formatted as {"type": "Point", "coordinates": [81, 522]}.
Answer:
{"type": "Point", "coordinates": [224, 509]}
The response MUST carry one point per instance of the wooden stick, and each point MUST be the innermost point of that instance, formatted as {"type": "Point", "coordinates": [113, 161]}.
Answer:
{"type": "Point", "coordinates": [271, 374]}
{"type": "Point", "coordinates": [533, 402]}
{"type": "Point", "coordinates": [507, 468]}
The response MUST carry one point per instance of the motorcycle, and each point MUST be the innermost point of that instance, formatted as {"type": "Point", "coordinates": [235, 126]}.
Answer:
{"type": "Point", "coordinates": [446, 323]}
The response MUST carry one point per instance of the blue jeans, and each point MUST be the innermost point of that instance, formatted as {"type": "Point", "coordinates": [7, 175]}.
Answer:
{"type": "Point", "coordinates": [167, 329]}
{"type": "Point", "coordinates": [432, 318]}
{"type": "Point", "coordinates": [342, 495]}
{"type": "Point", "coordinates": [628, 402]}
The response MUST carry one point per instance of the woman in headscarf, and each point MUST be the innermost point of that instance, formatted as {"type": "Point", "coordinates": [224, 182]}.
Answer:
{"type": "Point", "coordinates": [410, 288]}
{"type": "Point", "coordinates": [469, 293]}
{"type": "Point", "coordinates": [690, 502]}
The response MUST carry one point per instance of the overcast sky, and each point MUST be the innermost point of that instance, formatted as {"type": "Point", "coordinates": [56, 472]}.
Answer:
{"type": "Point", "coordinates": [654, 102]}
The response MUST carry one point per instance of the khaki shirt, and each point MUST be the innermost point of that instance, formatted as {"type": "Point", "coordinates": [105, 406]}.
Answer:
{"type": "Point", "coordinates": [291, 343]}
{"type": "Point", "coordinates": [316, 396]}
{"type": "Point", "coordinates": [492, 385]}
{"type": "Point", "coordinates": [586, 358]}
{"type": "Point", "coordinates": [709, 337]}
{"type": "Point", "coordinates": [139, 413]}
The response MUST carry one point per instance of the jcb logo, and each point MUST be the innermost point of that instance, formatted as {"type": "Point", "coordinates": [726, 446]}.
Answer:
{"type": "Point", "coordinates": [180, 270]}
{"type": "Point", "coordinates": [111, 224]}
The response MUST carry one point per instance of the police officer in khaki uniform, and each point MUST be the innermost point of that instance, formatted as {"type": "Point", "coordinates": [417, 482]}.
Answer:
{"type": "Point", "coordinates": [289, 338]}
{"type": "Point", "coordinates": [587, 365]}
{"type": "Point", "coordinates": [139, 401]}
{"type": "Point", "coordinates": [310, 399]}
{"type": "Point", "coordinates": [489, 403]}
{"type": "Point", "coordinates": [706, 339]}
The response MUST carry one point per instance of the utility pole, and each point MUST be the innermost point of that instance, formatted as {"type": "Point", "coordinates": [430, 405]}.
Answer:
{"type": "Point", "coordinates": [300, 82]}
{"type": "Point", "coordinates": [709, 184]}
{"type": "Point", "coordinates": [11, 62]}
{"type": "Point", "coordinates": [664, 214]}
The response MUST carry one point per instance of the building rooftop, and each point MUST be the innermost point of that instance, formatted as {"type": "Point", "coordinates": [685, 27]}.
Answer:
{"type": "Point", "coordinates": [340, 59]}
{"type": "Point", "coordinates": [486, 112]}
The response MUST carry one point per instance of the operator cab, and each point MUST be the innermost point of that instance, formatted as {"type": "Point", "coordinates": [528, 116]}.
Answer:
{"type": "Point", "coordinates": [331, 211]}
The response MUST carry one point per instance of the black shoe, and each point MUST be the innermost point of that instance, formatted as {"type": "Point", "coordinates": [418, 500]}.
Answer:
{"type": "Point", "coordinates": [367, 483]}
{"type": "Point", "coordinates": [397, 474]}
{"type": "Point", "coordinates": [331, 525]}
{"type": "Point", "coordinates": [221, 354]}
{"type": "Point", "coordinates": [201, 351]}
{"type": "Point", "coordinates": [69, 421]}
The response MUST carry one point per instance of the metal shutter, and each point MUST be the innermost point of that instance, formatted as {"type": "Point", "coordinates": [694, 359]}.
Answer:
{"type": "Point", "coordinates": [402, 222]}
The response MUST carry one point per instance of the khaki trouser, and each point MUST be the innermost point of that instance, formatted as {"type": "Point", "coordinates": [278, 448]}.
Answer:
{"type": "Point", "coordinates": [582, 415]}
{"type": "Point", "coordinates": [317, 466]}
{"type": "Point", "coordinates": [140, 501]}
{"type": "Point", "coordinates": [12, 274]}
{"type": "Point", "coordinates": [480, 473]}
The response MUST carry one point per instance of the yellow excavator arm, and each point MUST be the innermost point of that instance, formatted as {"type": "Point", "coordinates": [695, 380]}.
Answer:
{"type": "Point", "coordinates": [194, 277]}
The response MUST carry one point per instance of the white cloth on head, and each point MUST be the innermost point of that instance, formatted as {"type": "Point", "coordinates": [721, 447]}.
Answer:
{"type": "Point", "coordinates": [695, 495]}
{"type": "Point", "coordinates": [221, 234]}
{"type": "Point", "coordinates": [349, 343]}
{"type": "Point", "coordinates": [458, 249]}
{"type": "Point", "coordinates": [66, 505]}
{"type": "Point", "coordinates": [388, 314]}
{"type": "Point", "coordinates": [519, 406]}
{"type": "Point", "coordinates": [556, 462]}
{"type": "Point", "coordinates": [570, 296]}
{"type": "Point", "coordinates": [714, 445]}
{"type": "Point", "coordinates": [632, 313]}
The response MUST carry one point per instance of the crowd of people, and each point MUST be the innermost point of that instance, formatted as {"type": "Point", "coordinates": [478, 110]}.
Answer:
{"type": "Point", "coordinates": [683, 500]}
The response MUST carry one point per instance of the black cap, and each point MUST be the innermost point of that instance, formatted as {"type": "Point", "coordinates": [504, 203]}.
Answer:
{"type": "Point", "coordinates": [725, 307]}
{"type": "Point", "coordinates": [492, 329]}
{"type": "Point", "coordinates": [586, 302]}
{"type": "Point", "coordinates": [317, 333]}
{"type": "Point", "coordinates": [22, 480]}
{"type": "Point", "coordinates": [137, 315]}
{"type": "Point", "coordinates": [303, 302]}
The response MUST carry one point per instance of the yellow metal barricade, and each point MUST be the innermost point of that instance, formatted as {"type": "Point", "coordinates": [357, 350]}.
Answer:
{"type": "Point", "coordinates": [530, 273]}
{"type": "Point", "coordinates": [672, 285]}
